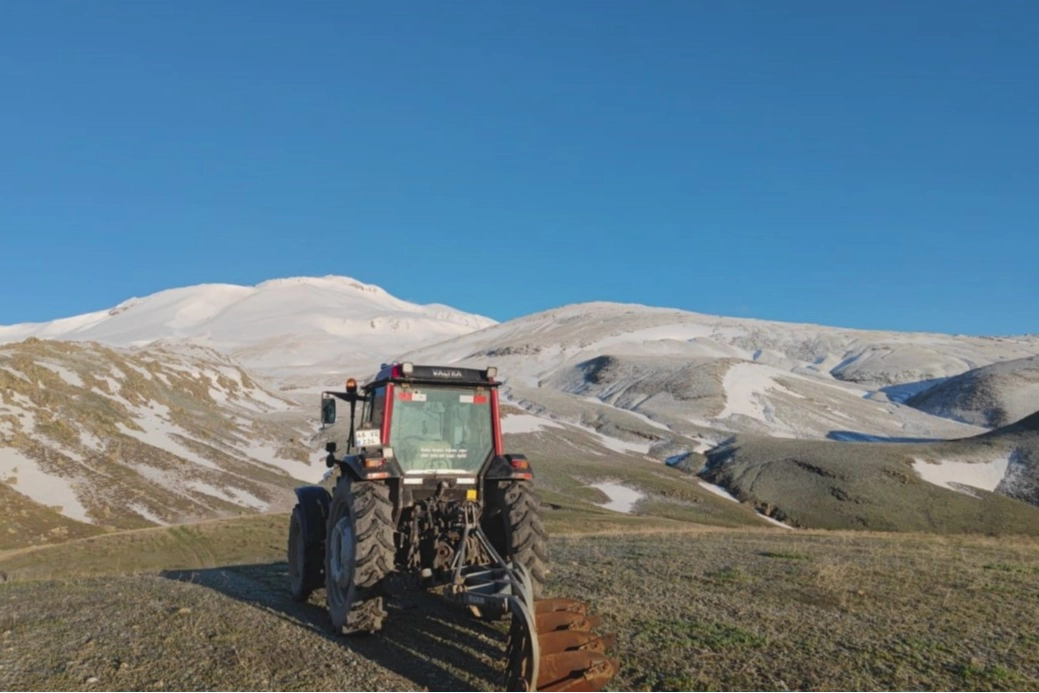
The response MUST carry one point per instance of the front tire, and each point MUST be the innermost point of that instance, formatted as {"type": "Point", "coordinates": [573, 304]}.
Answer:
{"type": "Point", "coordinates": [359, 554]}
{"type": "Point", "coordinates": [305, 562]}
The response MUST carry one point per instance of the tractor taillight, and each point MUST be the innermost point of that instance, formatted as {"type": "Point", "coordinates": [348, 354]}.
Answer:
{"type": "Point", "coordinates": [370, 462]}
{"type": "Point", "coordinates": [520, 464]}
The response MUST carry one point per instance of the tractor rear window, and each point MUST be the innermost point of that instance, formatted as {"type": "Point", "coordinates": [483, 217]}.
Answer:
{"type": "Point", "coordinates": [441, 429]}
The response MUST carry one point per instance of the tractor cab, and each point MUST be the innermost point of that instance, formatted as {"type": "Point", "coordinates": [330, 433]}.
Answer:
{"type": "Point", "coordinates": [422, 423]}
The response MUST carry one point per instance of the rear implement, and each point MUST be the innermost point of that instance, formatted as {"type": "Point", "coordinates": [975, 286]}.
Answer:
{"type": "Point", "coordinates": [552, 644]}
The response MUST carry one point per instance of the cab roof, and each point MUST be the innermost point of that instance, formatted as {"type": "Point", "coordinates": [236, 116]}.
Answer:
{"type": "Point", "coordinates": [433, 375]}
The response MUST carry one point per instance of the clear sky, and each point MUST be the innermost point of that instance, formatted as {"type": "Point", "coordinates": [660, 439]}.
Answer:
{"type": "Point", "coordinates": [870, 164]}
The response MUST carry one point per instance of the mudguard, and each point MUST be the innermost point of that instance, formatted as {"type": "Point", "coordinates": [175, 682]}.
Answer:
{"type": "Point", "coordinates": [352, 466]}
{"type": "Point", "coordinates": [313, 502]}
{"type": "Point", "coordinates": [508, 467]}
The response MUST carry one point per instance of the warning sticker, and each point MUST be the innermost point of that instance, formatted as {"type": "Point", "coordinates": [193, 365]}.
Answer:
{"type": "Point", "coordinates": [465, 399]}
{"type": "Point", "coordinates": [437, 453]}
{"type": "Point", "coordinates": [409, 396]}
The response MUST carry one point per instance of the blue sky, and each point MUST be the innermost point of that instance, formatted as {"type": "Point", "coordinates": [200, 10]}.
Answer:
{"type": "Point", "coordinates": [858, 164]}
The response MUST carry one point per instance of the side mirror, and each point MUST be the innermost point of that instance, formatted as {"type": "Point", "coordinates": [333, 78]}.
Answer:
{"type": "Point", "coordinates": [330, 446]}
{"type": "Point", "coordinates": [328, 410]}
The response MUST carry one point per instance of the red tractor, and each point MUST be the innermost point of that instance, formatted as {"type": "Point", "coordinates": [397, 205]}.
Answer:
{"type": "Point", "coordinates": [426, 489]}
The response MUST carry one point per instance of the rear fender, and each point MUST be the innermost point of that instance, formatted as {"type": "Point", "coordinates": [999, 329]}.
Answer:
{"type": "Point", "coordinates": [508, 467]}
{"type": "Point", "coordinates": [313, 503]}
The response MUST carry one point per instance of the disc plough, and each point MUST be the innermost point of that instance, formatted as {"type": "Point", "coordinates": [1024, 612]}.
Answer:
{"type": "Point", "coordinates": [558, 649]}
{"type": "Point", "coordinates": [552, 643]}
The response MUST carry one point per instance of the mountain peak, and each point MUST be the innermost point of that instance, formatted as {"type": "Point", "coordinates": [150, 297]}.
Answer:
{"type": "Point", "coordinates": [292, 325]}
{"type": "Point", "coordinates": [327, 281]}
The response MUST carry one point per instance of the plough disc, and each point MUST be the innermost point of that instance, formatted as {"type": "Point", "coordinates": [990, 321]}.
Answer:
{"type": "Point", "coordinates": [554, 647]}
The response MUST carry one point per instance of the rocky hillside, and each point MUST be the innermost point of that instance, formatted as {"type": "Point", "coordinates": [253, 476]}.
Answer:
{"type": "Point", "coordinates": [96, 438]}
{"type": "Point", "coordinates": [988, 483]}
{"type": "Point", "coordinates": [990, 396]}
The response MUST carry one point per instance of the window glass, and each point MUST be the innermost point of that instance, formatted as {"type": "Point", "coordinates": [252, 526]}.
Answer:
{"type": "Point", "coordinates": [441, 429]}
{"type": "Point", "coordinates": [374, 407]}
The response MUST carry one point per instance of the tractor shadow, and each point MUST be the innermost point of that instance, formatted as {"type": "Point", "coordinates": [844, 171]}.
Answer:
{"type": "Point", "coordinates": [437, 646]}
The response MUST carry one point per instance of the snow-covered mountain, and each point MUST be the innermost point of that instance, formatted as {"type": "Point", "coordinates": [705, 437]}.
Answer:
{"type": "Point", "coordinates": [701, 374]}
{"type": "Point", "coordinates": [303, 329]}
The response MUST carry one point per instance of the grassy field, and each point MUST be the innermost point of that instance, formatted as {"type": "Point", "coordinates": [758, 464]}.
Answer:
{"type": "Point", "coordinates": [703, 608]}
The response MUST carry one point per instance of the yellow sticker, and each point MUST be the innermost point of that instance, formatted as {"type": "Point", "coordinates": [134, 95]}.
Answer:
{"type": "Point", "coordinates": [470, 494]}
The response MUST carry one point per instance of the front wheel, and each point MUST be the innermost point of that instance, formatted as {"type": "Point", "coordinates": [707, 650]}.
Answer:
{"type": "Point", "coordinates": [359, 554]}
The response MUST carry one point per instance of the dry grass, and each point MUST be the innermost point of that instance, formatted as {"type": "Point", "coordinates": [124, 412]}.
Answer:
{"type": "Point", "coordinates": [695, 609]}
{"type": "Point", "coordinates": [250, 538]}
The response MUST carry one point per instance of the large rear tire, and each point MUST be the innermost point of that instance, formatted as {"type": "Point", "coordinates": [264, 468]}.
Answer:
{"type": "Point", "coordinates": [516, 530]}
{"type": "Point", "coordinates": [306, 572]}
{"type": "Point", "coordinates": [359, 554]}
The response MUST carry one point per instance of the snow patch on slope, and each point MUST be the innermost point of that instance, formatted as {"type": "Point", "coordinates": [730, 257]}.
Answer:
{"type": "Point", "coordinates": [526, 423]}
{"type": "Point", "coordinates": [949, 474]}
{"type": "Point", "coordinates": [67, 375]}
{"type": "Point", "coordinates": [159, 432]}
{"type": "Point", "coordinates": [718, 491]}
{"type": "Point", "coordinates": [622, 498]}
{"type": "Point", "coordinates": [148, 515]}
{"type": "Point", "coordinates": [266, 454]}
{"type": "Point", "coordinates": [236, 496]}
{"type": "Point", "coordinates": [24, 475]}
{"type": "Point", "coordinates": [745, 385]}
{"type": "Point", "coordinates": [615, 444]}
